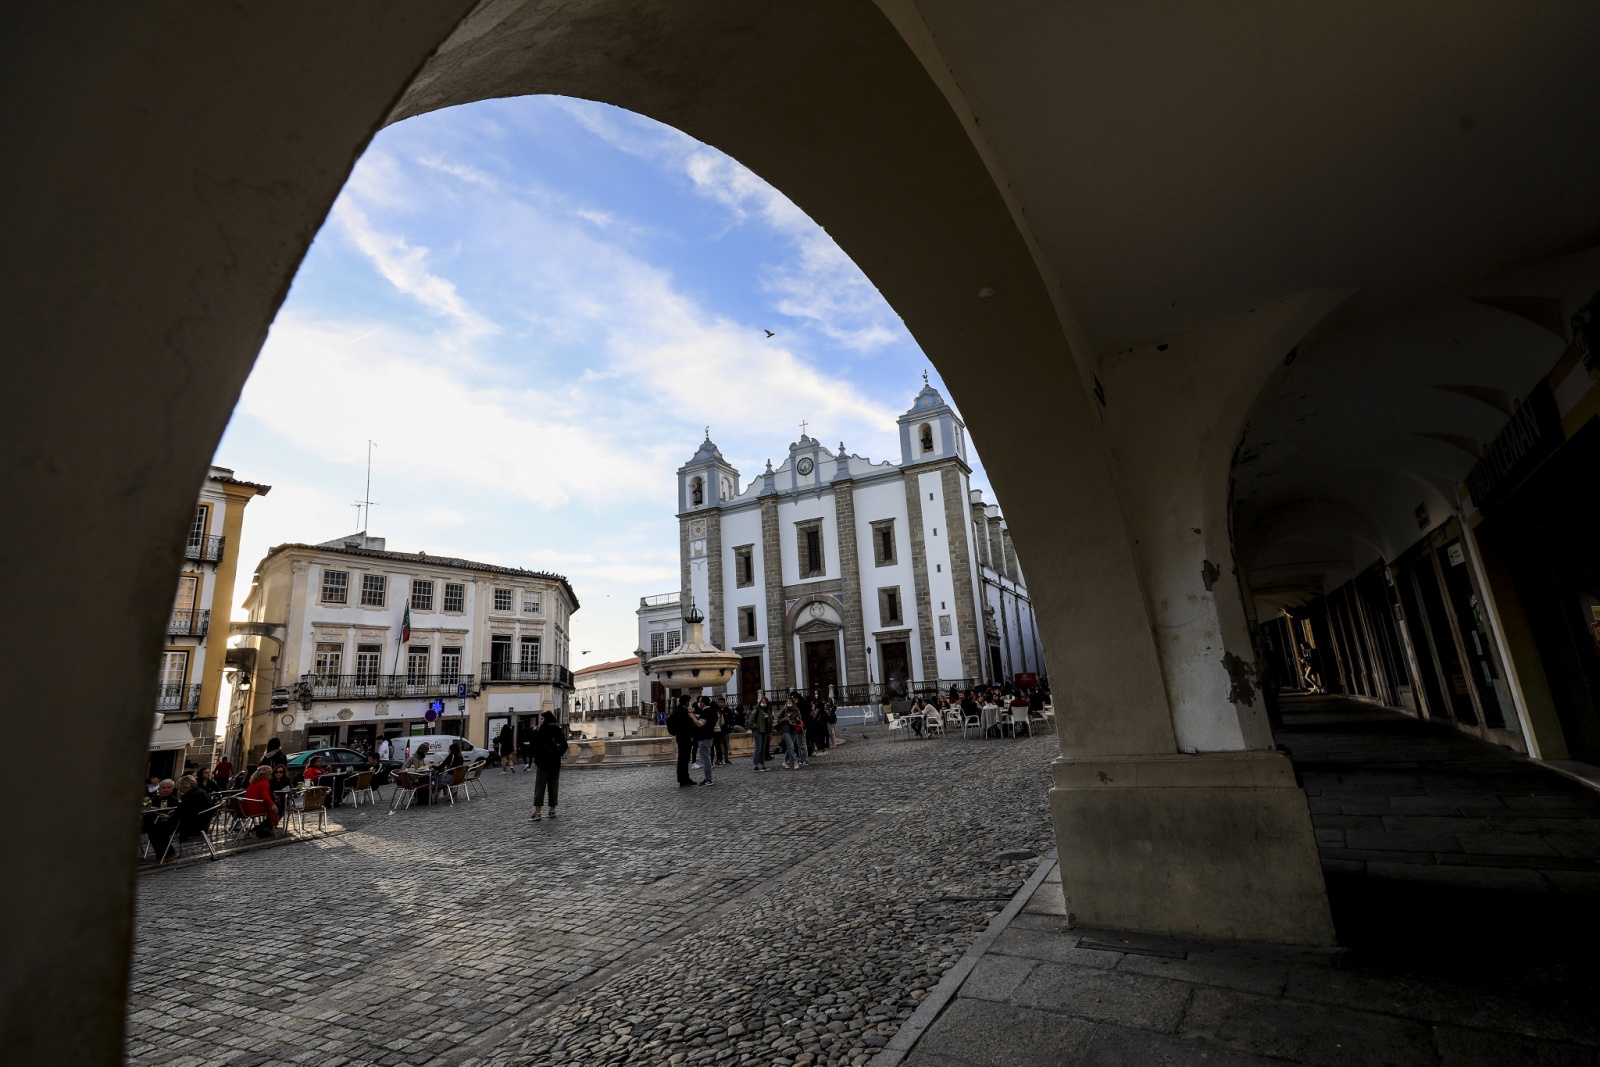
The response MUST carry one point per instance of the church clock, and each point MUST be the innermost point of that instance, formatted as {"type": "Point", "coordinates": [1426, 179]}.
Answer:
{"type": "Point", "coordinates": [804, 466]}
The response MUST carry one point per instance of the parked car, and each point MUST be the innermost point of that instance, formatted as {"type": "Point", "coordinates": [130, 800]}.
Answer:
{"type": "Point", "coordinates": [438, 747]}
{"type": "Point", "coordinates": [333, 759]}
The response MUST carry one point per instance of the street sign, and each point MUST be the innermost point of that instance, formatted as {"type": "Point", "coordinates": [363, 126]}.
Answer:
{"type": "Point", "coordinates": [461, 690]}
{"type": "Point", "coordinates": [461, 705]}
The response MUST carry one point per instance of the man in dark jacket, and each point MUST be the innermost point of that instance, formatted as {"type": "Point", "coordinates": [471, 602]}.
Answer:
{"type": "Point", "coordinates": [706, 721]}
{"type": "Point", "coordinates": [549, 745]}
{"type": "Point", "coordinates": [681, 727]}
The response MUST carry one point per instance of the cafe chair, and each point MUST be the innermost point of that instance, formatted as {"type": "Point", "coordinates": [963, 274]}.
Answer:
{"type": "Point", "coordinates": [474, 779]}
{"type": "Point", "coordinates": [175, 842]}
{"type": "Point", "coordinates": [453, 781]}
{"type": "Point", "coordinates": [932, 724]}
{"type": "Point", "coordinates": [310, 801]}
{"type": "Point", "coordinates": [362, 789]}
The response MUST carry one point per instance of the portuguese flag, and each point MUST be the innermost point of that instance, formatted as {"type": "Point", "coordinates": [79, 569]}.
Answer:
{"type": "Point", "coordinates": [405, 626]}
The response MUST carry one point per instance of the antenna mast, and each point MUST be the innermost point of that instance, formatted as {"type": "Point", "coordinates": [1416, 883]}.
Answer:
{"type": "Point", "coordinates": [366, 502]}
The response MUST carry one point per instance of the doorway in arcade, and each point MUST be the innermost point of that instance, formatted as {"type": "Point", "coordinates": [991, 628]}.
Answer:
{"type": "Point", "coordinates": [1541, 550]}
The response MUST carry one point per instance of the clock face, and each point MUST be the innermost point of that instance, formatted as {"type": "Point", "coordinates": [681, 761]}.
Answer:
{"type": "Point", "coordinates": [804, 465]}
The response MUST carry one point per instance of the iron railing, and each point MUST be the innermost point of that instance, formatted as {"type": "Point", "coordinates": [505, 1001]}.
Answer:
{"type": "Point", "coordinates": [178, 698]}
{"type": "Point", "coordinates": [526, 674]}
{"type": "Point", "coordinates": [208, 549]}
{"type": "Point", "coordinates": [384, 686]}
{"type": "Point", "coordinates": [624, 711]}
{"type": "Point", "coordinates": [189, 623]}
{"type": "Point", "coordinates": [660, 600]}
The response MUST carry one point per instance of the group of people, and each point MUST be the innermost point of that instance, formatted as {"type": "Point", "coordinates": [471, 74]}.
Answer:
{"type": "Point", "coordinates": [801, 727]}
{"type": "Point", "coordinates": [183, 809]}
{"type": "Point", "coordinates": [986, 704]}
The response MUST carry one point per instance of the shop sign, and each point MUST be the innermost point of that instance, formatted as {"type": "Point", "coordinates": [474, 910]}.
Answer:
{"type": "Point", "coordinates": [1532, 434]}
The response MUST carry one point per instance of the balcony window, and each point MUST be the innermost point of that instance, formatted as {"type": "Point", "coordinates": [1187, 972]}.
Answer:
{"type": "Point", "coordinates": [421, 594]}
{"type": "Point", "coordinates": [529, 654]}
{"type": "Point", "coordinates": [197, 528]}
{"type": "Point", "coordinates": [374, 590]}
{"type": "Point", "coordinates": [417, 657]}
{"type": "Point", "coordinates": [368, 662]}
{"type": "Point", "coordinates": [455, 597]}
{"type": "Point", "coordinates": [674, 639]}
{"type": "Point", "coordinates": [336, 587]}
{"type": "Point", "coordinates": [450, 664]}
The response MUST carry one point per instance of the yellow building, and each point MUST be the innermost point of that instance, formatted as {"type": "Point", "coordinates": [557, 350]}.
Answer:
{"type": "Point", "coordinates": [192, 660]}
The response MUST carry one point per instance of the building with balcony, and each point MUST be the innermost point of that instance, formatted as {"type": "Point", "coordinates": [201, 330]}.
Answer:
{"type": "Point", "coordinates": [373, 644]}
{"type": "Point", "coordinates": [868, 580]}
{"type": "Point", "coordinates": [606, 702]}
{"type": "Point", "coordinates": [661, 630]}
{"type": "Point", "coordinates": [189, 678]}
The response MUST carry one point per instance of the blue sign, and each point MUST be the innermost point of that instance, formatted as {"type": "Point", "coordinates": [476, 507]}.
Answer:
{"type": "Point", "coordinates": [436, 706]}
{"type": "Point", "coordinates": [461, 690]}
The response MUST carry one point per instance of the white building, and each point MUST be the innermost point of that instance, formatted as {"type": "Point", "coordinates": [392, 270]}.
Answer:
{"type": "Point", "coordinates": [196, 645]}
{"type": "Point", "coordinates": [661, 630]}
{"type": "Point", "coordinates": [606, 700]}
{"type": "Point", "coordinates": [371, 641]}
{"type": "Point", "coordinates": [875, 578]}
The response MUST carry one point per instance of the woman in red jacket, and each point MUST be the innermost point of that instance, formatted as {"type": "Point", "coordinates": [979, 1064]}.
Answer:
{"type": "Point", "coordinates": [257, 800]}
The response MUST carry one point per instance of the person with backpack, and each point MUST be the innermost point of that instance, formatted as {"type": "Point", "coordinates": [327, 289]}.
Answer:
{"type": "Point", "coordinates": [549, 745]}
{"type": "Point", "coordinates": [680, 726]}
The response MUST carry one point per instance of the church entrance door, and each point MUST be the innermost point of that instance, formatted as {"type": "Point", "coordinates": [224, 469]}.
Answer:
{"type": "Point", "coordinates": [896, 668]}
{"type": "Point", "coordinates": [749, 681]}
{"type": "Point", "coordinates": [822, 666]}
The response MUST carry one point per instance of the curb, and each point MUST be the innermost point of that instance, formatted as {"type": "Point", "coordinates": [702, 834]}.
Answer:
{"type": "Point", "coordinates": [912, 1030]}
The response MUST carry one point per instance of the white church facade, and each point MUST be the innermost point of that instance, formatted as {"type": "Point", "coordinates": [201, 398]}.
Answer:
{"type": "Point", "coordinates": [869, 579]}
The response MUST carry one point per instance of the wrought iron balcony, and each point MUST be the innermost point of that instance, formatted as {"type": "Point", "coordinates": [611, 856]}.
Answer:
{"type": "Point", "coordinates": [385, 686]}
{"type": "Point", "coordinates": [526, 674]}
{"type": "Point", "coordinates": [206, 549]}
{"type": "Point", "coordinates": [189, 623]}
{"type": "Point", "coordinates": [173, 699]}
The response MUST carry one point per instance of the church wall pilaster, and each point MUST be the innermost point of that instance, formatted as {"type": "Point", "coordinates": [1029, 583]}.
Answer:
{"type": "Point", "coordinates": [969, 624]}
{"type": "Point", "coordinates": [778, 673]}
{"type": "Point", "coordinates": [928, 669]}
{"type": "Point", "coordinates": [855, 655]}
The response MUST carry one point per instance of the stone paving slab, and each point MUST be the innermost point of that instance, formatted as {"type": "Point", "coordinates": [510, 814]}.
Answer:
{"type": "Point", "coordinates": [788, 917]}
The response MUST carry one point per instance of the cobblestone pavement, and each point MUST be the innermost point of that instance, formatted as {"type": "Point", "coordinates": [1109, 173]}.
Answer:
{"type": "Point", "coordinates": [787, 918]}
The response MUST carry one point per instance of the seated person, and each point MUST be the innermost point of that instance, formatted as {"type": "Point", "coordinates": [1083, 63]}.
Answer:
{"type": "Point", "coordinates": [418, 760]}
{"type": "Point", "coordinates": [157, 825]}
{"type": "Point", "coordinates": [258, 800]}
{"type": "Point", "coordinates": [188, 818]}
{"type": "Point", "coordinates": [314, 769]}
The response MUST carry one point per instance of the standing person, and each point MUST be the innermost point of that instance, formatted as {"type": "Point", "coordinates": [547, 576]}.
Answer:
{"type": "Point", "coordinates": [680, 725]}
{"type": "Point", "coordinates": [275, 756]}
{"type": "Point", "coordinates": [792, 729]}
{"type": "Point", "coordinates": [223, 772]}
{"type": "Point", "coordinates": [833, 724]}
{"type": "Point", "coordinates": [525, 744]}
{"type": "Point", "coordinates": [760, 726]}
{"type": "Point", "coordinates": [764, 706]}
{"type": "Point", "coordinates": [505, 745]}
{"type": "Point", "coordinates": [706, 722]}
{"type": "Point", "coordinates": [549, 745]}
{"type": "Point", "coordinates": [384, 750]}
{"type": "Point", "coordinates": [719, 739]}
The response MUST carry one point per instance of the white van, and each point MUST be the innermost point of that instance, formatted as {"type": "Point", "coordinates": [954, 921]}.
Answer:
{"type": "Point", "coordinates": [438, 747]}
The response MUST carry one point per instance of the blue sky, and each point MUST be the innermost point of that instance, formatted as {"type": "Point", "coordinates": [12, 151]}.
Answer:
{"type": "Point", "coordinates": [534, 307]}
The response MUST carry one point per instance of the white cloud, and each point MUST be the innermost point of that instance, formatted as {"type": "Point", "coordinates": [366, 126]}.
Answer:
{"type": "Point", "coordinates": [404, 266]}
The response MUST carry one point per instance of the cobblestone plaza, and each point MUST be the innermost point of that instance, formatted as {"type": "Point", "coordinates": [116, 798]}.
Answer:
{"type": "Point", "coordinates": [788, 917]}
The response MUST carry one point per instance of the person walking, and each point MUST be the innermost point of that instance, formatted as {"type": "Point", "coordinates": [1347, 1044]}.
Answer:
{"type": "Point", "coordinates": [760, 723]}
{"type": "Point", "coordinates": [549, 745]}
{"type": "Point", "coordinates": [525, 744]}
{"type": "Point", "coordinates": [707, 721]}
{"type": "Point", "coordinates": [719, 739]}
{"type": "Point", "coordinates": [505, 744]}
{"type": "Point", "coordinates": [680, 725]}
{"type": "Point", "coordinates": [275, 756]}
{"type": "Point", "coordinates": [765, 707]}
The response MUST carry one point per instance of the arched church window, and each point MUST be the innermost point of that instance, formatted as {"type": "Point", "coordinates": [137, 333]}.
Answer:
{"type": "Point", "coordinates": [927, 437]}
{"type": "Point", "coordinates": [697, 492]}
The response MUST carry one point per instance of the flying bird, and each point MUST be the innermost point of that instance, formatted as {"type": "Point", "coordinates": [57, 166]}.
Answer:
{"type": "Point", "coordinates": [769, 333]}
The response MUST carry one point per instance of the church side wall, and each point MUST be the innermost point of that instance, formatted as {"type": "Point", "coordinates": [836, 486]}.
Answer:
{"type": "Point", "coordinates": [875, 502]}
{"type": "Point", "coordinates": [855, 637]}
{"type": "Point", "coordinates": [941, 577]}
{"type": "Point", "coordinates": [925, 660]}
{"type": "Point", "coordinates": [779, 675]}
{"type": "Point", "coordinates": [741, 528]}
{"type": "Point", "coordinates": [958, 519]}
